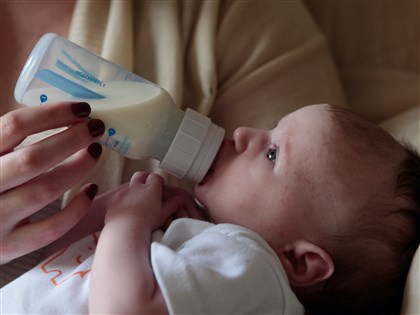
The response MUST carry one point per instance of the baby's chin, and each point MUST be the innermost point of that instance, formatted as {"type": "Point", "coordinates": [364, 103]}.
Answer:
{"type": "Point", "coordinates": [202, 195]}
{"type": "Point", "coordinates": [208, 176]}
{"type": "Point", "coordinates": [199, 193]}
{"type": "Point", "coordinates": [201, 188]}
{"type": "Point", "coordinates": [212, 170]}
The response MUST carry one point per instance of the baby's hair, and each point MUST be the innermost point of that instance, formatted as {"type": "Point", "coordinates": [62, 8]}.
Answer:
{"type": "Point", "coordinates": [373, 256]}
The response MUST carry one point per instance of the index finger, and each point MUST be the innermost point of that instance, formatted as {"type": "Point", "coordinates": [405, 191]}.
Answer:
{"type": "Point", "coordinates": [16, 125]}
{"type": "Point", "coordinates": [155, 183]}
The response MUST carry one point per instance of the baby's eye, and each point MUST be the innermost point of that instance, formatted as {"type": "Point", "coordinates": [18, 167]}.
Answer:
{"type": "Point", "coordinates": [272, 154]}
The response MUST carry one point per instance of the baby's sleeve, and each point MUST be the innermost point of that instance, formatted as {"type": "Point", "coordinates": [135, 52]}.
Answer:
{"type": "Point", "coordinates": [221, 270]}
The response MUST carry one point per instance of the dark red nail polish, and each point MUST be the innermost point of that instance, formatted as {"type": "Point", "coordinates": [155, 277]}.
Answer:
{"type": "Point", "coordinates": [91, 191]}
{"type": "Point", "coordinates": [96, 127]}
{"type": "Point", "coordinates": [95, 150]}
{"type": "Point", "coordinates": [81, 109]}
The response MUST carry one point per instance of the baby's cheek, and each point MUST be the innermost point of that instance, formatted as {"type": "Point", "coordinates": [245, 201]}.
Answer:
{"type": "Point", "coordinates": [231, 210]}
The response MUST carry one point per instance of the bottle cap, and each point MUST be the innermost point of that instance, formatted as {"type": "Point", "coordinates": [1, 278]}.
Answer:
{"type": "Point", "coordinates": [194, 147]}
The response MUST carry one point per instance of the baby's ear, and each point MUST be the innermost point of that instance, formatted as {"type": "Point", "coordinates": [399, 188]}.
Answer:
{"type": "Point", "coordinates": [306, 263]}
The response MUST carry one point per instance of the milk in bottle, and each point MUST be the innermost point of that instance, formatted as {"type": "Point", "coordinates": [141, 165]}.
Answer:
{"type": "Point", "coordinates": [140, 117]}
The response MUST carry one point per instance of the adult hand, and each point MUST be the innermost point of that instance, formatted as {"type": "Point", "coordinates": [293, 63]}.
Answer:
{"type": "Point", "coordinates": [34, 175]}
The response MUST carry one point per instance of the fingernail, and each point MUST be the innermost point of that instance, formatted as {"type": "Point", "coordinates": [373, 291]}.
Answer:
{"type": "Point", "coordinates": [81, 109]}
{"type": "Point", "coordinates": [96, 127]}
{"type": "Point", "coordinates": [91, 191]}
{"type": "Point", "coordinates": [95, 150]}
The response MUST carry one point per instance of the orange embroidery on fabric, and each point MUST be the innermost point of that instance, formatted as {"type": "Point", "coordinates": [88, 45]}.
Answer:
{"type": "Point", "coordinates": [57, 277]}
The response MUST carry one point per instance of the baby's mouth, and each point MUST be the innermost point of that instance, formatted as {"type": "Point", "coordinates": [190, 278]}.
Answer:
{"type": "Point", "coordinates": [212, 166]}
{"type": "Point", "coordinates": [206, 178]}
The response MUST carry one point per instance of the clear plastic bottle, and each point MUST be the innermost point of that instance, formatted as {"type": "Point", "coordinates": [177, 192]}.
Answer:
{"type": "Point", "coordinates": [140, 117]}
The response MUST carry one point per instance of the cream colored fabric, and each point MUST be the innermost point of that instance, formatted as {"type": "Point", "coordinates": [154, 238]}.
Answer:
{"type": "Point", "coordinates": [411, 302]}
{"type": "Point", "coordinates": [241, 62]}
{"type": "Point", "coordinates": [376, 46]}
{"type": "Point", "coordinates": [405, 126]}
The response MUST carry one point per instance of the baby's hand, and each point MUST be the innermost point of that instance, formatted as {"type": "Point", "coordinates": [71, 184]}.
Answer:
{"type": "Point", "coordinates": [188, 206]}
{"type": "Point", "coordinates": [141, 203]}
{"type": "Point", "coordinates": [136, 211]}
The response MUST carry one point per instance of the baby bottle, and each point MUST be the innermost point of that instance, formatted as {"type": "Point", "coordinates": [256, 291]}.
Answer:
{"type": "Point", "coordinates": [140, 118]}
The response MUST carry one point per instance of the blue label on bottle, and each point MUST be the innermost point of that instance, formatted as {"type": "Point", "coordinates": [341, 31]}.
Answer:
{"type": "Point", "coordinates": [65, 85]}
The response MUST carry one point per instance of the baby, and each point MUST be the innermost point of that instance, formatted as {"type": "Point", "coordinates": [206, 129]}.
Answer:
{"type": "Point", "coordinates": [335, 197]}
{"type": "Point", "coordinates": [322, 212]}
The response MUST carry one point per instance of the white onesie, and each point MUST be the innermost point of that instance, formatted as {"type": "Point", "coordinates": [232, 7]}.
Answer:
{"type": "Point", "coordinates": [200, 267]}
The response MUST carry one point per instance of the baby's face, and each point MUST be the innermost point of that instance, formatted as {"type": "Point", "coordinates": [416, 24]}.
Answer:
{"type": "Point", "coordinates": [281, 183]}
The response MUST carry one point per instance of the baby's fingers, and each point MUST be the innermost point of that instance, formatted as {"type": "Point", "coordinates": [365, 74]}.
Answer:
{"type": "Point", "coordinates": [174, 208]}
{"type": "Point", "coordinates": [190, 208]}
{"type": "Point", "coordinates": [153, 182]}
{"type": "Point", "coordinates": [138, 178]}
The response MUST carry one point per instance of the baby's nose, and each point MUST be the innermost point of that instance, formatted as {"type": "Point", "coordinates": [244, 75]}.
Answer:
{"type": "Point", "coordinates": [241, 137]}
